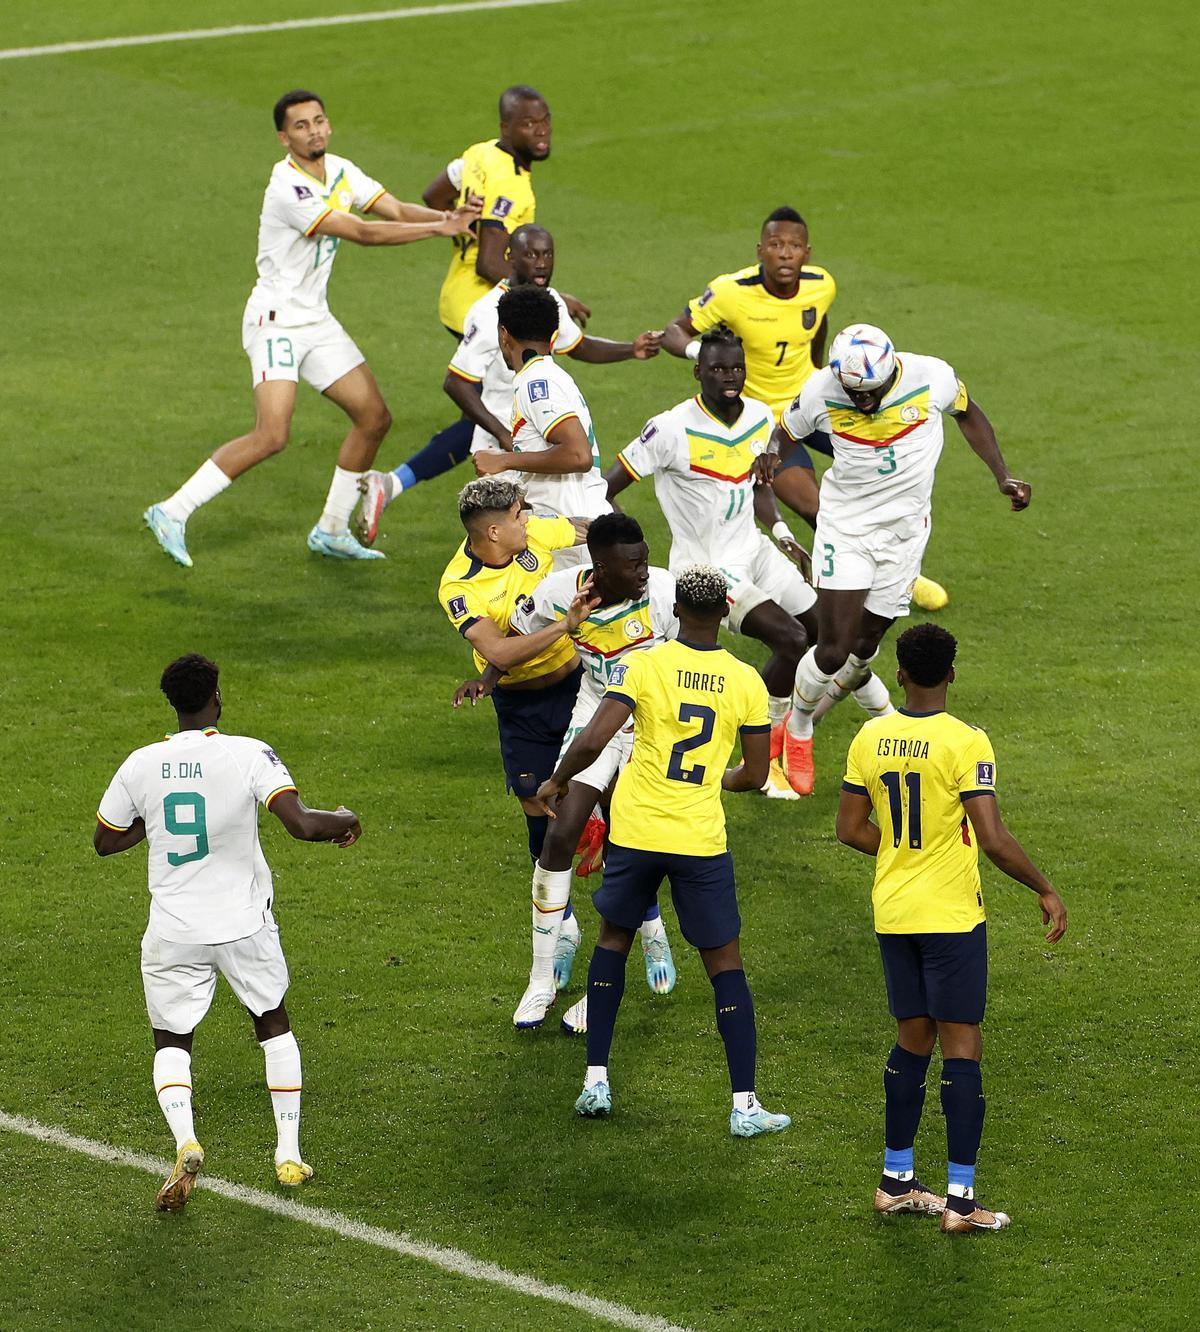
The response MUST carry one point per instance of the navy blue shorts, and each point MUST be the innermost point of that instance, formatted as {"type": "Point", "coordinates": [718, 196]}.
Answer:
{"type": "Point", "coordinates": [942, 976]}
{"type": "Point", "coordinates": [532, 725]}
{"type": "Point", "coordinates": [702, 889]}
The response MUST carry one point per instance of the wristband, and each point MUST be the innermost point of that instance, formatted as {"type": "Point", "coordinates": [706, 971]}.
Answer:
{"type": "Point", "coordinates": [692, 350]}
{"type": "Point", "coordinates": [782, 532]}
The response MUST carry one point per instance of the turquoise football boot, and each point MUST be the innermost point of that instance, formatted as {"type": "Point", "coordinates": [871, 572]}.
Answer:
{"type": "Point", "coordinates": [168, 532]}
{"type": "Point", "coordinates": [340, 546]}
{"type": "Point", "coordinates": [660, 965]}
{"type": "Point", "coordinates": [750, 1125]}
{"type": "Point", "coordinates": [595, 1102]}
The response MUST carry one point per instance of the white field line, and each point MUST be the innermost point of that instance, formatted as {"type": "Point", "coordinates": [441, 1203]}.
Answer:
{"type": "Point", "coordinates": [250, 29]}
{"type": "Point", "coordinates": [449, 1260]}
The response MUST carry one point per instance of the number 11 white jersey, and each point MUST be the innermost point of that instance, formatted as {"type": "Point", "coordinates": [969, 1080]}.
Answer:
{"type": "Point", "coordinates": [198, 793]}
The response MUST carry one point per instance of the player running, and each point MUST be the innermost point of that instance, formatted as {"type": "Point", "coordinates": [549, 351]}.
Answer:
{"type": "Point", "coordinates": [506, 555]}
{"type": "Point", "coordinates": [480, 381]}
{"type": "Point", "coordinates": [194, 798]}
{"type": "Point", "coordinates": [690, 701]}
{"type": "Point", "coordinates": [931, 781]}
{"type": "Point", "coordinates": [883, 411]}
{"type": "Point", "coordinates": [707, 458]}
{"type": "Point", "coordinates": [634, 609]}
{"type": "Point", "coordinates": [289, 334]}
{"type": "Point", "coordinates": [779, 307]}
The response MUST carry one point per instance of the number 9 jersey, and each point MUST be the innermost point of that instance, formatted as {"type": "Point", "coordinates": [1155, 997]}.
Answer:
{"type": "Point", "coordinates": [689, 705]}
{"type": "Point", "coordinates": [198, 793]}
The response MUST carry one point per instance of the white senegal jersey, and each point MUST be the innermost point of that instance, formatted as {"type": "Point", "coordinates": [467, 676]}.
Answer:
{"type": "Point", "coordinates": [198, 793]}
{"type": "Point", "coordinates": [610, 632]}
{"type": "Point", "coordinates": [543, 395]}
{"type": "Point", "coordinates": [293, 264]}
{"type": "Point", "coordinates": [479, 360]}
{"type": "Point", "coordinates": [702, 477]}
{"type": "Point", "coordinates": [883, 461]}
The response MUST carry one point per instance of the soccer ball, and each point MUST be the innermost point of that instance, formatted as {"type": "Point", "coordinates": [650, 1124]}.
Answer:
{"type": "Point", "coordinates": [862, 357]}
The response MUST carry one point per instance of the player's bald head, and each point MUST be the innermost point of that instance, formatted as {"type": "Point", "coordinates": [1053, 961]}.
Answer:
{"type": "Point", "coordinates": [513, 100]}
{"type": "Point", "coordinates": [528, 234]}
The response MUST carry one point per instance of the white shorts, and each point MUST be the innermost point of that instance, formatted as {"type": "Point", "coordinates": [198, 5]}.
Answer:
{"type": "Point", "coordinates": [612, 758]}
{"type": "Point", "coordinates": [319, 353]}
{"type": "Point", "coordinates": [181, 978]}
{"type": "Point", "coordinates": [770, 576]}
{"type": "Point", "coordinates": [884, 560]}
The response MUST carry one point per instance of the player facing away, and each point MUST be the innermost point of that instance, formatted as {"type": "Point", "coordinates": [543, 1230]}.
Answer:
{"type": "Point", "coordinates": [479, 381]}
{"type": "Point", "coordinates": [690, 701]}
{"type": "Point", "coordinates": [930, 780]}
{"type": "Point", "coordinates": [883, 411]}
{"type": "Point", "coordinates": [779, 307]}
{"type": "Point", "coordinates": [289, 334]}
{"type": "Point", "coordinates": [708, 456]}
{"type": "Point", "coordinates": [499, 172]}
{"type": "Point", "coordinates": [194, 798]}
{"type": "Point", "coordinates": [634, 610]}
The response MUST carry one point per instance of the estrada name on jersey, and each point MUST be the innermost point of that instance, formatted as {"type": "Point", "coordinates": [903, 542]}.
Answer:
{"type": "Point", "coordinates": [689, 704]}
{"type": "Point", "coordinates": [479, 360]}
{"type": "Point", "coordinates": [702, 479]}
{"type": "Point", "coordinates": [921, 771]}
{"type": "Point", "coordinates": [198, 793]}
{"type": "Point", "coordinates": [610, 633]}
{"type": "Point", "coordinates": [506, 188]}
{"type": "Point", "coordinates": [471, 591]}
{"type": "Point", "coordinates": [883, 461]}
{"type": "Point", "coordinates": [544, 395]}
{"type": "Point", "coordinates": [293, 263]}
{"type": "Point", "coordinates": [777, 333]}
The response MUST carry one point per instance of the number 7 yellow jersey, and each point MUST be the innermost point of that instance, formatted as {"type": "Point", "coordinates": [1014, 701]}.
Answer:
{"type": "Point", "coordinates": [921, 771]}
{"type": "Point", "coordinates": [689, 705]}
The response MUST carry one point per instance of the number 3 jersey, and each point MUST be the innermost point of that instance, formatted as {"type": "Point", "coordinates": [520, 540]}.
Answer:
{"type": "Point", "coordinates": [198, 793]}
{"type": "Point", "coordinates": [921, 771]}
{"type": "Point", "coordinates": [689, 705]}
{"type": "Point", "coordinates": [701, 469]}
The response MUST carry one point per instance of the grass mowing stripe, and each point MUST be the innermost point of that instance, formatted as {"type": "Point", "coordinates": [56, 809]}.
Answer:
{"type": "Point", "coordinates": [450, 1260]}
{"type": "Point", "coordinates": [249, 29]}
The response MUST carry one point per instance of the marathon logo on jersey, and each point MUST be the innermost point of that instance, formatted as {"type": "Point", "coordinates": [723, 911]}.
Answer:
{"type": "Point", "coordinates": [272, 756]}
{"type": "Point", "coordinates": [457, 606]}
{"type": "Point", "coordinates": [616, 674]}
{"type": "Point", "coordinates": [649, 430]}
{"type": "Point", "coordinates": [985, 774]}
{"type": "Point", "coordinates": [528, 561]}
{"type": "Point", "coordinates": [302, 193]}
{"type": "Point", "coordinates": [539, 390]}
{"type": "Point", "coordinates": [705, 297]}
{"type": "Point", "coordinates": [809, 317]}
{"type": "Point", "coordinates": [502, 207]}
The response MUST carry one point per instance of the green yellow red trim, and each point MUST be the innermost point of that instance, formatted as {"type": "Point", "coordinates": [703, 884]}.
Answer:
{"type": "Point", "coordinates": [624, 463]}
{"type": "Point", "coordinates": [462, 374]}
{"type": "Point", "coordinates": [318, 222]}
{"type": "Point", "coordinates": [566, 416]}
{"type": "Point", "coordinates": [278, 792]}
{"type": "Point", "coordinates": [115, 827]}
{"type": "Point", "coordinates": [373, 200]}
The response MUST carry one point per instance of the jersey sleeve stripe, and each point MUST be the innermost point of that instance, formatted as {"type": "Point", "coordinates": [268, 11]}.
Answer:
{"type": "Point", "coordinates": [491, 222]}
{"type": "Point", "coordinates": [755, 730]}
{"type": "Point", "coordinates": [279, 790]}
{"type": "Point", "coordinates": [970, 795]}
{"type": "Point", "coordinates": [318, 222]}
{"type": "Point", "coordinates": [462, 374]}
{"type": "Point", "coordinates": [621, 458]}
{"type": "Point", "coordinates": [566, 416]}
{"type": "Point", "coordinates": [853, 788]}
{"type": "Point", "coordinates": [373, 200]}
{"type": "Point", "coordinates": [114, 826]}
{"type": "Point", "coordinates": [562, 351]}
{"type": "Point", "coordinates": [466, 624]}
{"type": "Point", "coordinates": [618, 697]}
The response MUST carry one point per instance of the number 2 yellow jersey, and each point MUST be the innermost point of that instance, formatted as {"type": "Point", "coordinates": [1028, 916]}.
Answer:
{"type": "Point", "coordinates": [921, 771]}
{"type": "Point", "coordinates": [776, 333]}
{"type": "Point", "coordinates": [689, 705]}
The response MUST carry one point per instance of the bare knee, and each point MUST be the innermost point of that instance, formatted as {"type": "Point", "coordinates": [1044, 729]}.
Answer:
{"type": "Point", "coordinates": [376, 421]}
{"type": "Point", "coordinates": [270, 439]}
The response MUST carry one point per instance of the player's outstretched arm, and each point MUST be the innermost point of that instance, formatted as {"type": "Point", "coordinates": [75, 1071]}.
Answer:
{"type": "Point", "coordinates": [346, 226]}
{"type": "Point", "coordinates": [585, 749]}
{"type": "Point", "coordinates": [467, 397]}
{"type": "Point", "coordinates": [603, 351]}
{"type": "Point", "coordinates": [854, 826]}
{"type": "Point", "coordinates": [504, 651]}
{"type": "Point", "coordinates": [340, 826]}
{"type": "Point", "coordinates": [391, 209]}
{"type": "Point", "coordinates": [569, 452]}
{"type": "Point", "coordinates": [678, 334]}
{"type": "Point", "coordinates": [977, 431]}
{"type": "Point", "coordinates": [1007, 854]}
{"type": "Point", "coordinates": [108, 841]}
{"type": "Point", "coordinates": [752, 772]}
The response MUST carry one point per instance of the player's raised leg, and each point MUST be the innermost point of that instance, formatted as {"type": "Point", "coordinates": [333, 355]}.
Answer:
{"type": "Point", "coordinates": [358, 395]}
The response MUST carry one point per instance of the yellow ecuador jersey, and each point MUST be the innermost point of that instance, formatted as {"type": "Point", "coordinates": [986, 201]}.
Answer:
{"type": "Point", "coordinates": [471, 591]}
{"type": "Point", "coordinates": [921, 771]}
{"type": "Point", "coordinates": [689, 704]}
{"type": "Point", "coordinates": [506, 188]}
{"type": "Point", "coordinates": [776, 333]}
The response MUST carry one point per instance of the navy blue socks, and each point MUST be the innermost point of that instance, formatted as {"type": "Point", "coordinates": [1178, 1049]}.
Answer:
{"type": "Point", "coordinates": [735, 1022]}
{"type": "Point", "coordinates": [606, 985]}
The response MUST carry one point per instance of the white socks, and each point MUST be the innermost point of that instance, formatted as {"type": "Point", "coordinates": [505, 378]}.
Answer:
{"type": "Point", "coordinates": [778, 708]}
{"type": "Point", "coordinates": [551, 892]}
{"type": "Point", "coordinates": [746, 1102]}
{"type": "Point", "coordinates": [595, 1073]}
{"type": "Point", "coordinates": [281, 1056]}
{"type": "Point", "coordinates": [204, 484]}
{"type": "Point", "coordinates": [173, 1087]}
{"type": "Point", "coordinates": [857, 678]}
{"type": "Point", "coordinates": [811, 684]}
{"type": "Point", "coordinates": [340, 502]}
{"type": "Point", "coordinates": [654, 929]}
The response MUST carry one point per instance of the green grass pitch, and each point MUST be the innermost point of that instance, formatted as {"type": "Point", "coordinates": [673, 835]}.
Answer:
{"type": "Point", "coordinates": [1002, 186]}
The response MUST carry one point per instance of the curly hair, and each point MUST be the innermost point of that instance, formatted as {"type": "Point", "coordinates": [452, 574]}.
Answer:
{"type": "Point", "coordinates": [528, 314]}
{"type": "Point", "coordinates": [487, 494]}
{"type": "Point", "coordinates": [702, 589]}
{"type": "Point", "coordinates": [614, 529]}
{"type": "Point", "coordinates": [925, 653]}
{"type": "Point", "coordinates": [189, 682]}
